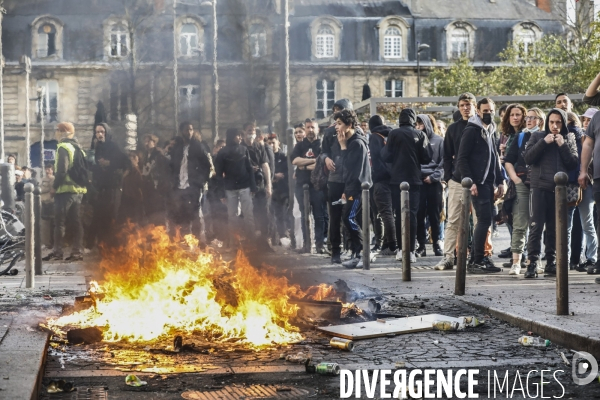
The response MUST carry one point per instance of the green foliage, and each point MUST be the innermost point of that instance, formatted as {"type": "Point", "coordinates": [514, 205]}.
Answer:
{"type": "Point", "coordinates": [559, 63]}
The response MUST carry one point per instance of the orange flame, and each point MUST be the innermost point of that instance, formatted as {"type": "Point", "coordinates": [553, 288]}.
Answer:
{"type": "Point", "coordinates": [154, 287]}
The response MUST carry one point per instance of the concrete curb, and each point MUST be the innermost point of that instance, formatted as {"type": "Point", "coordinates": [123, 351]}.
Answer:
{"type": "Point", "coordinates": [566, 338]}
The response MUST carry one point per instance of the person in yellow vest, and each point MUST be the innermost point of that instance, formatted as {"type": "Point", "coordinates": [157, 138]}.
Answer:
{"type": "Point", "coordinates": [67, 200]}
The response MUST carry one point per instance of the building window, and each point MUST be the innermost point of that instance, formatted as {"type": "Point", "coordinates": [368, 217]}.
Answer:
{"type": "Point", "coordinates": [394, 88]}
{"type": "Point", "coordinates": [325, 42]}
{"type": "Point", "coordinates": [526, 40]}
{"type": "Point", "coordinates": [258, 40]}
{"type": "Point", "coordinates": [119, 101]}
{"type": "Point", "coordinates": [188, 40]}
{"type": "Point", "coordinates": [460, 43]}
{"type": "Point", "coordinates": [392, 43]}
{"type": "Point", "coordinates": [189, 101]}
{"type": "Point", "coordinates": [46, 41]}
{"type": "Point", "coordinates": [49, 101]}
{"type": "Point", "coordinates": [119, 41]}
{"type": "Point", "coordinates": [325, 97]}
{"type": "Point", "coordinates": [571, 12]}
{"type": "Point", "coordinates": [46, 38]}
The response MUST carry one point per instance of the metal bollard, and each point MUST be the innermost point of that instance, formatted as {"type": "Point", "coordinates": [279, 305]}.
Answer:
{"type": "Point", "coordinates": [306, 222]}
{"type": "Point", "coordinates": [463, 238]}
{"type": "Point", "coordinates": [7, 191]}
{"type": "Point", "coordinates": [405, 211]}
{"type": "Point", "coordinates": [37, 229]}
{"type": "Point", "coordinates": [562, 263]}
{"type": "Point", "coordinates": [29, 237]}
{"type": "Point", "coordinates": [366, 230]}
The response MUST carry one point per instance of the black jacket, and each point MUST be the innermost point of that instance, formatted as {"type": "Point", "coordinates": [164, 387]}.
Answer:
{"type": "Point", "coordinates": [357, 168]}
{"type": "Point", "coordinates": [380, 170]}
{"type": "Point", "coordinates": [111, 176]}
{"type": "Point", "coordinates": [451, 146]}
{"type": "Point", "coordinates": [234, 169]}
{"type": "Point", "coordinates": [478, 157]}
{"type": "Point", "coordinates": [281, 187]}
{"type": "Point", "coordinates": [306, 149]}
{"type": "Point", "coordinates": [407, 148]}
{"type": "Point", "coordinates": [199, 162]}
{"type": "Point", "coordinates": [435, 168]}
{"type": "Point", "coordinates": [514, 155]}
{"type": "Point", "coordinates": [548, 159]}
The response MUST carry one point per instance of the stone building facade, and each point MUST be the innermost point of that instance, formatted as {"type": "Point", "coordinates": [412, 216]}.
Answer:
{"type": "Point", "coordinates": [121, 53]}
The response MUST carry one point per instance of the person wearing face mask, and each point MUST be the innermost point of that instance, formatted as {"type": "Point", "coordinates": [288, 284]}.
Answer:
{"type": "Point", "coordinates": [520, 174]}
{"type": "Point", "coordinates": [304, 157]}
{"type": "Point", "coordinates": [190, 166]}
{"type": "Point", "coordinates": [479, 160]}
{"type": "Point", "coordinates": [547, 152]}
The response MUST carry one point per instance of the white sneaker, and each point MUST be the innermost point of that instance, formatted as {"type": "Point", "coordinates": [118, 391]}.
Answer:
{"type": "Point", "coordinates": [445, 263]}
{"type": "Point", "coordinates": [413, 257]}
{"type": "Point", "coordinates": [539, 269]}
{"type": "Point", "coordinates": [399, 255]}
{"type": "Point", "coordinates": [515, 269]}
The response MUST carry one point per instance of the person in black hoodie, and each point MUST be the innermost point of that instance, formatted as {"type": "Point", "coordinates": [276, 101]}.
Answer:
{"type": "Point", "coordinates": [304, 157]}
{"type": "Point", "coordinates": [335, 182]}
{"type": "Point", "coordinates": [382, 191]}
{"type": "Point", "coordinates": [479, 160]}
{"type": "Point", "coordinates": [357, 170]}
{"type": "Point", "coordinates": [547, 152]}
{"type": "Point", "coordinates": [236, 176]}
{"type": "Point", "coordinates": [191, 166]}
{"type": "Point", "coordinates": [466, 106]}
{"type": "Point", "coordinates": [281, 193]}
{"type": "Point", "coordinates": [108, 171]}
{"type": "Point", "coordinates": [406, 149]}
{"type": "Point", "coordinates": [431, 196]}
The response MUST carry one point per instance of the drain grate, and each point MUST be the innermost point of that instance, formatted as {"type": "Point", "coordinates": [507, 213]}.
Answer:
{"type": "Point", "coordinates": [82, 393]}
{"type": "Point", "coordinates": [253, 392]}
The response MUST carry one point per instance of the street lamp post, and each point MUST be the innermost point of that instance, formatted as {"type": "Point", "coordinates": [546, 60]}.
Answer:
{"type": "Point", "coordinates": [420, 48]}
{"type": "Point", "coordinates": [26, 65]}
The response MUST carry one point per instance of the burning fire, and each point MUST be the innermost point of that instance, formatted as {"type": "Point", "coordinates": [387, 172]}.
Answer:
{"type": "Point", "coordinates": [154, 287]}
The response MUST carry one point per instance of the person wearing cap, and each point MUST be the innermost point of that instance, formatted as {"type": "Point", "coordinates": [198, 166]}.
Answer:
{"type": "Point", "coordinates": [67, 200]}
{"type": "Point", "coordinates": [452, 177]}
{"type": "Point", "coordinates": [586, 117]}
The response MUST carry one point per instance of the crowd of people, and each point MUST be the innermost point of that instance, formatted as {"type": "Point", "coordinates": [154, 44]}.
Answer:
{"type": "Point", "coordinates": [238, 193]}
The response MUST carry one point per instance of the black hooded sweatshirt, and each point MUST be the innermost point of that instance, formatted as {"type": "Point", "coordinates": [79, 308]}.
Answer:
{"type": "Point", "coordinates": [380, 170]}
{"type": "Point", "coordinates": [435, 168]}
{"type": "Point", "coordinates": [331, 146]}
{"type": "Point", "coordinates": [111, 176]}
{"type": "Point", "coordinates": [407, 148]}
{"type": "Point", "coordinates": [451, 146]}
{"type": "Point", "coordinates": [548, 159]}
{"type": "Point", "coordinates": [357, 168]}
{"type": "Point", "coordinates": [233, 167]}
{"type": "Point", "coordinates": [199, 162]}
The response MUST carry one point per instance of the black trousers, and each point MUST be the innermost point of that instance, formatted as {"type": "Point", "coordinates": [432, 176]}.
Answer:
{"type": "Point", "coordinates": [382, 196]}
{"type": "Point", "coordinates": [413, 196]}
{"type": "Point", "coordinates": [261, 212]}
{"type": "Point", "coordinates": [334, 193]}
{"type": "Point", "coordinates": [483, 204]}
{"type": "Point", "coordinates": [542, 212]}
{"type": "Point", "coordinates": [185, 210]}
{"type": "Point", "coordinates": [430, 206]}
{"type": "Point", "coordinates": [375, 217]}
{"type": "Point", "coordinates": [352, 215]}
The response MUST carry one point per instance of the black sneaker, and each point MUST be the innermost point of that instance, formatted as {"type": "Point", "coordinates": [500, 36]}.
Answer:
{"type": "Point", "coordinates": [488, 261]}
{"type": "Point", "coordinates": [375, 248]}
{"type": "Point", "coordinates": [320, 249]}
{"type": "Point", "coordinates": [53, 257]}
{"type": "Point", "coordinates": [75, 257]}
{"type": "Point", "coordinates": [531, 270]}
{"type": "Point", "coordinates": [481, 268]}
{"type": "Point", "coordinates": [336, 259]}
{"type": "Point", "coordinates": [437, 249]}
{"type": "Point", "coordinates": [550, 269]}
{"type": "Point", "coordinates": [351, 263]}
{"type": "Point", "coordinates": [584, 267]}
{"type": "Point", "coordinates": [506, 253]}
{"type": "Point", "coordinates": [421, 251]}
{"type": "Point", "coordinates": [594, 269]}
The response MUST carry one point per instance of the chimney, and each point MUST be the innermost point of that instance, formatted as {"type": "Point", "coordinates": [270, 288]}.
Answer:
{"type": "Point", "coordinates": [544, 5]}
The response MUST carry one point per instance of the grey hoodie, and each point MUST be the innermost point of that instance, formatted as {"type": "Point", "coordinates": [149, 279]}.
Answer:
{"type": "Point", "coordinates": [434, 169]}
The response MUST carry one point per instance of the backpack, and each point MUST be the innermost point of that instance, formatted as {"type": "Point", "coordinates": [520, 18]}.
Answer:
{"type": "Point", "coordinates": [320, 175]}
{"type": "Point", "coordinates": [79, 171]}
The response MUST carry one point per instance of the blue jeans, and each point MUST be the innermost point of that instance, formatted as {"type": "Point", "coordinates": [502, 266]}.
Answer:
{"type": "Point", "coordinates": [586, 213]}
{"type": "Point", "coordinates": [317, 204]}
{"type": "Point", "coordinates": [242, 197]}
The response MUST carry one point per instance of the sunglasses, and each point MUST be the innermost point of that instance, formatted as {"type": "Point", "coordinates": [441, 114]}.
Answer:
{"type": "Point", "coordinates": [531, 118]}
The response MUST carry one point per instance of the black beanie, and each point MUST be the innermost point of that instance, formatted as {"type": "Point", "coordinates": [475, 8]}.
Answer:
{"type": "Point", "coordinates": [374, 122]}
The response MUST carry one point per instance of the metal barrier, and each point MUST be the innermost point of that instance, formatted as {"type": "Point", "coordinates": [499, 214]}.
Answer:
{"type": "Point", "coordinates": [405, 211]}
{"type": "Point", "coordinates": [562, 262]}
{"type": "Point", "coordinates": [366, 231]}
{"type": "Point", "coordinates": [463, 238]}
{"type": "Point", "coordinates": [307, 237]}
{"type": "Point", "coordinates": [29, 237]}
